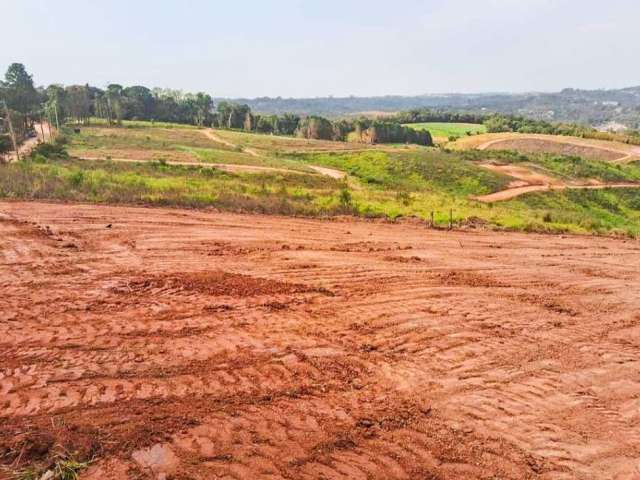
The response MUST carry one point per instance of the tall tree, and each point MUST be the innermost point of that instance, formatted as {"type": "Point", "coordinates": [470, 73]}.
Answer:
{"type": "Point", "coordinates": [19, 93]}
{"type": "Point", "coordinates": [79, 102]}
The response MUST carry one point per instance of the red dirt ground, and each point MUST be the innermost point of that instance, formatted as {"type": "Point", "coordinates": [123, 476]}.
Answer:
{"type": "Point", "coordinates": [182, 344]}
{"type": "Point", "coordinates": [539, 145]}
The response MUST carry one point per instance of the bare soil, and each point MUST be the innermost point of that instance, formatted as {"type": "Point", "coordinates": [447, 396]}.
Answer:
{"type": "Point", "coordinates": [183, 344]}
{"type": "Point", "coordinates": [561, 146]}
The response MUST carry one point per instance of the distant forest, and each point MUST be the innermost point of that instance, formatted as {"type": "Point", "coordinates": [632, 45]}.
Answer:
{"type": "Point", "coordinates": [596, 108]}
{"type": "Point", "coordinates": [23, 105]}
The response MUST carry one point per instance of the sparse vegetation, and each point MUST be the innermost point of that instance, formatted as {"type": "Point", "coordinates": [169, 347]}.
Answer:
{"type": "Point", "coordinates": [62, 467]}
{"type": "Point", "coordinates": [381, 183]}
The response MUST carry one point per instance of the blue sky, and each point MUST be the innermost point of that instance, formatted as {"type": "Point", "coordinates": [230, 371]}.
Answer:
{"type": "Point", "coordinates": [295, 48]}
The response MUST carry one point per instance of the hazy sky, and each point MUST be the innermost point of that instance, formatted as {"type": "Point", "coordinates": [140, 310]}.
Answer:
{"type": "Point", "coordinates": [300, 48]}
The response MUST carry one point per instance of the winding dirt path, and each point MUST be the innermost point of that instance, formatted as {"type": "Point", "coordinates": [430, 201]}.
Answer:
{"type": "Point", "coordinates": [518, 191]}
{"type": "Point", "coordinates": [329, 172]}
{"type": "Point", "coordinates": [528, 181]}
{"type": "Point", "coordinates": [186, 344]}
{"type": "Point", "coordinates": [228, 167]}
{"type": "Point", "coordinates": [25, 148]}
{"type": "Point", "coordinates": [212, 136]}
{"type": "Point", "coordinates": [625, 156]}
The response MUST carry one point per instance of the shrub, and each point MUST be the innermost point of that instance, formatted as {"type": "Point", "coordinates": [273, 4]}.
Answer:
{"type": "Point", "coordinates": [49, 150]}
{"type": "Point", "coordinates": [345, 197]}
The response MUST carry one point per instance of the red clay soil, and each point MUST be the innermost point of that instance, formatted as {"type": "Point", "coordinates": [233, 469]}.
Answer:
{"type": "Point", "coordinates": [182, 344]}
{"type": "Point", "coordinates": [539, 145]}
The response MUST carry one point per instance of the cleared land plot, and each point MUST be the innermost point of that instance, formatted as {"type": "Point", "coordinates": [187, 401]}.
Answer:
{"type": "Point", "coordinates": [536, 145]}
{"type": "Point", "coordinates": [558, 144]}
{"type": "Point", "coordinates": [153, 143]}
{"type": "Point", "coordinates": [286, 348]}
{"type": "Point", "coordinates": [445, 130]}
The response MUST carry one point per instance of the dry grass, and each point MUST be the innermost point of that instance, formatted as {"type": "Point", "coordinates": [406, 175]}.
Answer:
{"type": "Point", "coordinates": [275, 144]}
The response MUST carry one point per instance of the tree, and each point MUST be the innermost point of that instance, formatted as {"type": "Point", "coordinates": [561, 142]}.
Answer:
{"type": "Point", "coordinates": [140, 103]}
{"type": "Point", "coordinates": [19, 93]}
{"type": "Point", "coordinates": [115, 103]}
{"type": "Point", "coordinates": [288, 124]}
{"type": "Point", "coordinates": [78, 102]}
{"type": "Point", "coordinates": [55, 104]}
{"type": "Point", "coordinates": [204, 107]}
{"type": "Point", "coordinates": [315, 127]}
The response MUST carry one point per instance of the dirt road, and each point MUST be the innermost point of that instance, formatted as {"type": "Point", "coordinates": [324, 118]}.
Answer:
{"type": "Point", "coordinates": [227, 167]}
{"type": "Point", "coordinates": [25, 148]}
{"type": "Point", "coordinates": [514, 192]}
{"type": "Point", "coordinates": [216, 138]}
{"type": "Point", "coordinates": [528, 180]}
{"type": "Point", "coordinates": [329, 172]}
{"type": "Point", "coordinates": [613, 152]}
{"type": "Point", "coordinates": [183, 344]}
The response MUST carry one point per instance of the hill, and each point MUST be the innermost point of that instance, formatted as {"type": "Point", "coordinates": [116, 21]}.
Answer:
{"type": "Point", "coordinates": [592, 107]}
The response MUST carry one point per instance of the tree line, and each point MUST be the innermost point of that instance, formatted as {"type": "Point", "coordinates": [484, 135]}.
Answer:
{"type": "Point", "coordinates": [426, 115]}
{"type": "Point", "coordinates": [80, 103]}
{"type": "Point", "coordinates": [497, 123]}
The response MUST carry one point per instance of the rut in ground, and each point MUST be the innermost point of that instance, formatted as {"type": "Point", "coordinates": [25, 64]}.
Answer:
{"type": "Point", "coordinates": [197, 345]}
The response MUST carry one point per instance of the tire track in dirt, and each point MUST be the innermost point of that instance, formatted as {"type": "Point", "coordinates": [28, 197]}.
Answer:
{"type": "Point", "coordinates": [328, 349]}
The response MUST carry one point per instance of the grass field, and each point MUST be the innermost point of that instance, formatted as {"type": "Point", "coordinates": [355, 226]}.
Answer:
{"type": "Point", "coordinates": [385, 183]}
{"type": "Point", "coordinates": [443, 131]}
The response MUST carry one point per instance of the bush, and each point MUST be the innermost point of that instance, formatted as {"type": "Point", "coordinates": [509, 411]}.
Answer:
{"type": "Point", "coordinates": [49, 150]}
{"type": "Point", "coordinates": [5, 144]}
{"type": "Point", "coordinates": [345, 197]}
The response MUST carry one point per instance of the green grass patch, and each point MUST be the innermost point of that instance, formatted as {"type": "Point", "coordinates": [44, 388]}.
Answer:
{"type": "Point", "coordinates": [446, 130]}
{"type": "Point", "coordinates": [563, 166]}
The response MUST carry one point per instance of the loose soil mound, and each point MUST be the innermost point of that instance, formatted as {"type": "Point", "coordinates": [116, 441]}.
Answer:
{"type": "Point", "coordinates": [211, 283]}
{"type": "Point", "coordinates": [183, 344]}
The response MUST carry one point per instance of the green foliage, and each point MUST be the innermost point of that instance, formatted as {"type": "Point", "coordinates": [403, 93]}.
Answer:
{"type": "Point", "coordinates": [5, 143]}
{"type": "Point", "coordinates": [345, 197]}
{"type": "Point", "coordinates": [510, 123]}
{"type": "Point", "coordinates": [316, 128]}
{"type": "Point", "coordinates": [18, 90]}
{"type": "Point", "coordinates": [563, 166]}
{"type": "Point", "coordinates": [50, 150]}
{"type": "Point", "coordinates": [419, 116]}
{"type": "Point", "coordinates": [388, 132]}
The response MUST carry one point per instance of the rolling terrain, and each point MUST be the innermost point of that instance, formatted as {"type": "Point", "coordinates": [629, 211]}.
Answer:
{"type": "Point", "coordinates": [589, 107]}
{"type": "Point", "coordinates": [470, 182]}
